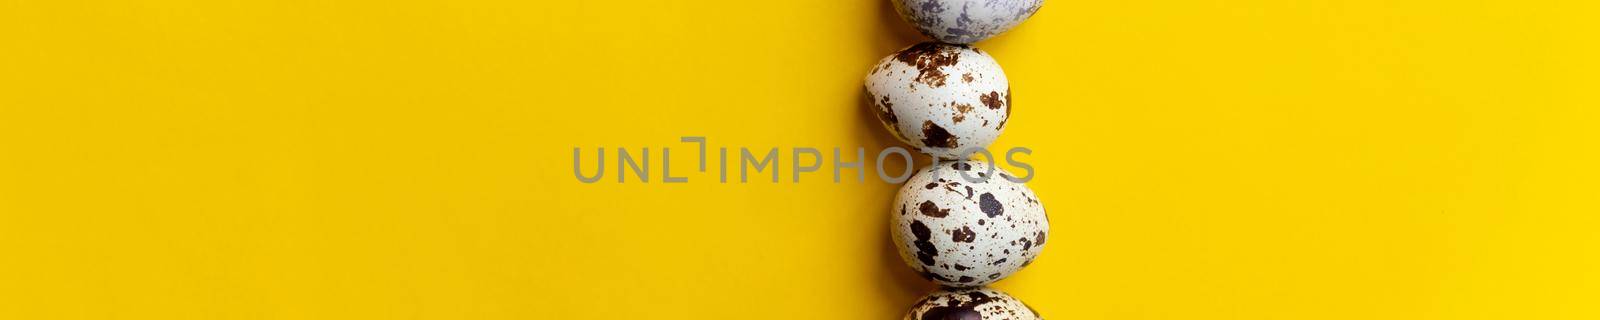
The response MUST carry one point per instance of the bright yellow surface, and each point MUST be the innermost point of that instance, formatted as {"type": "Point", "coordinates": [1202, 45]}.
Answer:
{"type": "Point", "coordinates": [405, 159]}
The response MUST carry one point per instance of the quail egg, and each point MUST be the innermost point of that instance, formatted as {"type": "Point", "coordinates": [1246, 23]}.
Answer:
{"type": "Point", "coordinates": [961, 233]}
{"type": "Point", "coordinates": [965, 21]}
{"type": "Point", "coordinates": [941, 98]}
{"type": "Point", "coordinates": [970, 304]}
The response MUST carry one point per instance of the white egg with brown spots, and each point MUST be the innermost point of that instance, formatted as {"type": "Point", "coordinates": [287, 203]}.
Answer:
{"type": "Point", "coordinates": [971, 304]}
{"type": "Point", "coordinates": [941, 98]}
{"type": "Point", "coordinates": [965, 21]}
{"type": "Point", "coordinates": [962, 233]}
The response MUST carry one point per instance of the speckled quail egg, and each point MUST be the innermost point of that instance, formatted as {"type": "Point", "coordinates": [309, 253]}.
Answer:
{"type": "Point", "coordinates": [965, 21]}
{"type": "Point", "coordinates": [961, 233]}
{"type": "Point", "coordinates": [970, 304]}
{"type": "Point", "coordinates": [941, 98]}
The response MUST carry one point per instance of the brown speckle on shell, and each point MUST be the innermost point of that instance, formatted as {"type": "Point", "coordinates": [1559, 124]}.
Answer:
{"type": "Point", "coordinates": [928, 57]}
{"type": "Point", "coordinates": [961, 111]}
{"type": "Point", "coordinates": [965, 234]}
{"type": "Point", "coordinates": [936, 136]}
{"type": "Point", "coordinates": [886, 110]}
{"type": "Point", "coordinates": [928, 208]}
{"type": "Point", "coordinates": [992, 100]}
{"type": "Point", "coordinates": [989, 205]}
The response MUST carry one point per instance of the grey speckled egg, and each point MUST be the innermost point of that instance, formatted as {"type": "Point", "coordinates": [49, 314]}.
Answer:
{"type": "Point", "coordinates": [941, 98]}
{"type": "Point", "coordinates": [971, 304]}
{"type": "Point", "coordinates": [964, 234]}
{"type": "Point", "coordinates": [965, 21]}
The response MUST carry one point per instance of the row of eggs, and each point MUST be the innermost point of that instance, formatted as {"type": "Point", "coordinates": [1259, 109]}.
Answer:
{"type": "Point", "coordinates": [962, 224]}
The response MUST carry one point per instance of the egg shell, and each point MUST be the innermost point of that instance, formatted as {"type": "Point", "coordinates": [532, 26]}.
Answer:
{"type": "Point", "coordinates": [960, 233]}
{"type": "Point", "coordinates": [965, 21]}
{"type": "Point", "coordinates": [970, 304]}
{"type": "Point", "coordinates": [940, 98]}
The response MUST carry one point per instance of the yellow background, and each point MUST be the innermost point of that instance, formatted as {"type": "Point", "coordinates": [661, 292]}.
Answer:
{"type": "Point", "coordinates": [412, 159]}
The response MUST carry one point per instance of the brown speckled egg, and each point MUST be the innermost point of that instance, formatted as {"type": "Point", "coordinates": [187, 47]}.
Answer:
{"type": "Point", "coordinates": [965, 21]}
{"type": "Point", "coordinates": [961, 233]}
{"type": "Point", "coordinates": [941, 98]}
{"type": "Point", "coordinates": [971, 304]}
